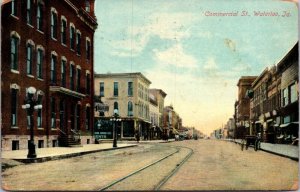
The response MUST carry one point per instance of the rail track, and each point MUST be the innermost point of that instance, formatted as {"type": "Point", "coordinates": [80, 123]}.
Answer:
{"type": "Point", "coordinates": [155, 166]}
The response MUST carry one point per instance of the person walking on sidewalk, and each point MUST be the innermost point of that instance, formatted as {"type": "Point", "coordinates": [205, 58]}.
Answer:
{"type": "Point", "coordinates": [137, 136]}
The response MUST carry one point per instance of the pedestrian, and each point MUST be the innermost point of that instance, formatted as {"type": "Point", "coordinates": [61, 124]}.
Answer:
{"type": "Point", "coordinates": [137, 136]}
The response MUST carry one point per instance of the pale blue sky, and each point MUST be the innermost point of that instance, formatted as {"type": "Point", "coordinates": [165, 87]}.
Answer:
{"type": "Point", "coordinates": [196, 59]}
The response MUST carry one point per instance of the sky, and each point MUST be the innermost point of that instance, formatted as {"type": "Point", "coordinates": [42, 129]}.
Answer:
{"type": "Point", "coordinates": [195, 58]}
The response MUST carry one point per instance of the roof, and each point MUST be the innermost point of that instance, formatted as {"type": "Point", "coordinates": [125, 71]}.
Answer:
{"type": "Point", "coordinates": [125, 75]}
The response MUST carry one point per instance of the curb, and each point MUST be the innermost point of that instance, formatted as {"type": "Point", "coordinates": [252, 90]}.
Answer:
{"type": "Point", "coordinates": [64, 156]}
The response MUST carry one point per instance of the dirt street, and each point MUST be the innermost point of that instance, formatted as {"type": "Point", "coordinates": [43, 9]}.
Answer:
{"type": "Point", "coordinates": [215, 165]}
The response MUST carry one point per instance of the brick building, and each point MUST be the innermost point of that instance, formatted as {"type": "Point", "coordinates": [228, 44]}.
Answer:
{"type": "Point", "coordinates": [171, 122]}
{"type": "Point", "coordinates": [47, 44]}
{"type": "Point", "coordinates": [242, 107]}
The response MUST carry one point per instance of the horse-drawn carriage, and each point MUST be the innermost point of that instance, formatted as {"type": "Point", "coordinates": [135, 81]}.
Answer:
{"type": "Point", "coordinates": [253, 140]}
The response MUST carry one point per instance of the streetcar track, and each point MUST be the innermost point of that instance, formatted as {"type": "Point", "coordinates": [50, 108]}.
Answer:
{"type": "Point", "coordinates": [175, 169]}
{"type": "Point", "coordinates": [164, 180]}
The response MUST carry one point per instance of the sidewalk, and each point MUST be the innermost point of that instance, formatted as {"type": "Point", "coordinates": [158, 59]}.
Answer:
{"type": "Point", "coordinates": [53, 153]}
{"type": "Point", "coordinates": [285, 150]}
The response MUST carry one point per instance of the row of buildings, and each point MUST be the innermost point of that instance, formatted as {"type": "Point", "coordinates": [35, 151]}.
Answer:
{"type": "Point", "coordinates": [141, 109]}
{"type": "Point", "coordinates": [268, 104]}
{"type": "Point", "coordinates": [49, 45]}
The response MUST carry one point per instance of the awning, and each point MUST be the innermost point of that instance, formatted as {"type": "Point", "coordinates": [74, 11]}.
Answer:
{"type": "Point", "coordinates": [66, 91]}
{"type": "Point", "coordinates": [269, 120]}
{"type": "Point", "coordinates": [276, 125]}
{"type": "Point", "coordinates": [287, 124]}
{"type": "Point", "coordinates": [256, 122]}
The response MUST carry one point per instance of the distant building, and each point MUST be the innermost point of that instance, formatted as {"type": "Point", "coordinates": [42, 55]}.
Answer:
{"type": "Point", "coordinates": [242, 106]}
{"type": "Point", "coordinates": [156, 98]}
{"type": "Point", "coordinates": [171, 121]}
{"type": "Point", "coordinates": [129, 94]}
{"type": "Point", "coordinates": [47, 44]}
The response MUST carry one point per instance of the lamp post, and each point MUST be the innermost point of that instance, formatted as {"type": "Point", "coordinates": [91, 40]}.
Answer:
{"type": "Point", "coordinates": [33, 101]}
{"type": "Point", "coordinates": [115, 118]}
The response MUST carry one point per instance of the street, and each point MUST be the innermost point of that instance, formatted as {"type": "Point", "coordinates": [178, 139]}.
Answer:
{"type": "Point", "coordinates": [213, 165]}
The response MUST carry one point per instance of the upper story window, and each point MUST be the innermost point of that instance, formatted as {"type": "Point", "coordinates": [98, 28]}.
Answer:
{"type": "Point", "coordinates": [39, 63]}
{"type": "Point", "coordinates": [78, 42]}
{"type": "Point", "coordinates": [72, 75]}
{"type": "Point", "coordinates": [72, 36]}
{"type": "Point", "coordinates": [293, 92]}
{"type": "Point", "coordinates": [88, 83]}
{"type": "Point", "coordinates": [53, 68]}
{"type": "Point", "coordinates": [102, 89]}
{"type": "Point", "coordinates": [87, 6]}
{"type": "Point", "coordinates": [116, 89]}
{"type": "Point", "coordinates": [130, 109]}
{"type": "Point", "coordinates": [116, 105]}
{"type": "Point", "coordinates": [285, 97]}
{"type": "Point", "coordinates": [39, 17]}
{"type": "Point", "coordinates": [29, 12]}
{"type": "Point", "coordinates": [78, 74]}
{"type": "Point", "coordinates": [53, 24]}
{"type": "Point", "coordinates": [88, 49]}
{"type": "Point", "coordinates": [14, 9]}
{"type": "Point", "coordinates": [63, 31]}
{"type": "Point", "coordinates": [14, 52]}
{"type": "Point", "coordinates": [63, 72]}
{"type": "Point", "coordinates": [130, 89]}
{"type": "Point", "coordinates": [29, 53]}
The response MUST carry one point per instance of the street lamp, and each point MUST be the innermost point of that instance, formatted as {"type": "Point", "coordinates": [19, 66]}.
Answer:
{"type": "Point", "coordinates": [115, 118]}
{"type": "Point", "coordinates": [33, 101]}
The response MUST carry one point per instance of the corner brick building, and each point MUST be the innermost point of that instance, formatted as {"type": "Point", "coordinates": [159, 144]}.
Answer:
{"type": "Point", "coordinates": [47, 44]}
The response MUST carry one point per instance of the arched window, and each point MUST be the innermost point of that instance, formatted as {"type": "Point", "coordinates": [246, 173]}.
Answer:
{"type": "Point", "coordinates": [116, 106]}
{"type": "Point", "coordinates": [87, 6]}
{"type": "Point", "coordinates": [130, 109]}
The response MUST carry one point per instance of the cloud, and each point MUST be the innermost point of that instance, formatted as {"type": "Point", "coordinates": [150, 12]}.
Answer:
{"type": "Point", "coordinates": [205, 34]}
{"type": "Point", "coordinates": [166, 26]}
{"type": "Point", "coordinates": [210, 64]}
{"type": "Point", "coordinates": [175, 56]}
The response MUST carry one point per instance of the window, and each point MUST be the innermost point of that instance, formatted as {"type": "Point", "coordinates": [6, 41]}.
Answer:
{"type": "Point", "coordinates": [14, 7]}
{"type": "Point", "coordinates": [15, 145]}
{"type": "Point", "coordinates": [130, 109]}
{"type": "Point", "coordinates": [14, 108]}
{"type": "Point", "coordinates": [72, 37]}
{"type": "Point", "coordinates": [39, 118]}
{"type": "Point", "coordinates": [78, 80]}
{"type": "Point", "coordinates": [116, 89]}
{"type": "Point", "coordinates": [53, 114]}
{"type": "Point", "coordinates": [29, 12]}
{"type": "Point", "coordinates": [39, 17]}
{"type": "Point", "coordinates": [63, 73]}
{"type": "Point", "coordinates": [87, 118]}
{"type": "Point", "coordinates": [116, 106]}
{"type": "Point", "coordinates": [285, 97]}
{"type": "Point", "coordinates": [72, 75]}
{"type": "Point", "coordinates": [40, 143]}
{"type": "Point", "coordinates": [54, 25]}
{"type": "Point", "coordinates": [88, 50]}
{"type": "Point", "coordinates": [53, 69]}
{"type": "Point", "coordinates": [130, 89]}
{"type": "Point", "coordinates": [293, 92]}
{"type": "Point", "coordinates": [78, 42]}
{"type": "Point", "coordinates": [29, 59]}
{"type": "Point", "coordinates": [14, 52]}
{"type": "Point", "coordinates": [88, 83]}
{"type": "Point", "coordinates": [102, 89]}
{"type": "Point", "coordinates": [39, 63]}
{"type": "Point", "coordinates": [64, 31]}
{"type": "Point", "coordinates": [87, 6]}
